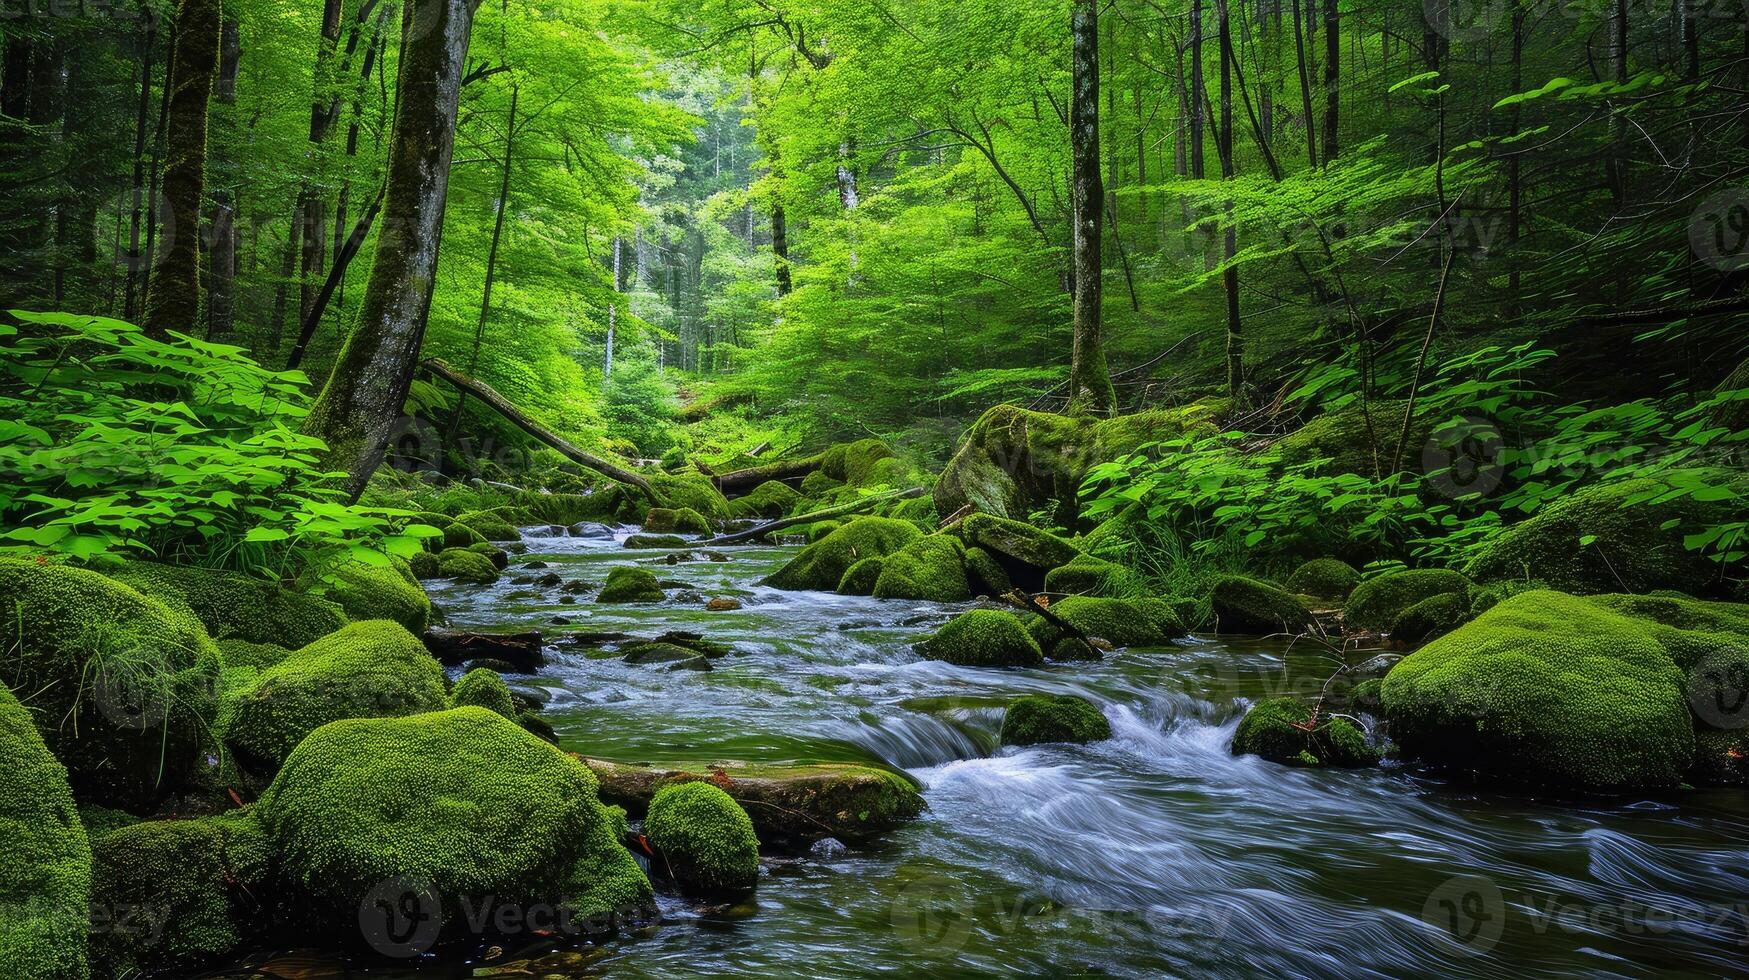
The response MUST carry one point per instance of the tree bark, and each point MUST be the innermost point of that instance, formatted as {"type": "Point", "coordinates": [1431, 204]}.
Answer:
{"type": "Point", "coordinates": [221, 290]}
{"type": "Point", "coordinates": [1305, 85]}
{"type": "Point", "coordinates": [311, 204]}
{"type": "Point", "coordinates": [174, 297]}
{"type": "Point", "coordinates": [1332, 79]}
{"type": "Point", "coordinates": [134, 260]}
{"type": "Point", "coordinates": [780, 249]}
{"type": "Point", "coordinates": [455, 420]}
{"type": "Point", "coordinates": [854, 507]}
{"type": "Point", "coordinates": [1196, 90]}
{"type": "Point", "coordinates": [1090, 389]}
{"type": "Point", "coordinates": [358, 408]}
{"type": "Point", "coordinates": [1230, 237]}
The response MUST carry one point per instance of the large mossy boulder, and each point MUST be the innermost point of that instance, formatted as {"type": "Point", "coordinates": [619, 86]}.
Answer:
{"type": "Point", "coordinates": [1090, 576]}
{"type": "Point", "coordinates": [1282, 730]}
{"type": "Point", "coordinates": [484, 688]}
{"type": "Point", "coordinates": [860, 578]}
{"type": "Point", "coordinates": [1375, 604]}
{"type": "Point", "coordinates": [627, 584]}
{"type": "Point", "coordinates": [1358, 439]}
{"type": "Point", "coordinates": [1121, 622]}
{"type": "Point", "coordinates": [231, 605]}
{"type": "Point", "coordinates": [703, 840]}
{"type": "Point", "coordinates": [822, 565]}
{"type": "Point", "coordinates": [467, 566]}
{"type": "Point", "coordinates": [371, 591]}
{"type": "Point", "coordinates": [1331, 579]}
{"type": "Point", "coordinates": [1616, 537]}
{"type": "Point", "coordinates": [984, 638]}
{"type": "Point", "coordinates": [202, 880]}
{"type": "Point", "coordinates": [791, 806]}
{"type": "Point", "coordinates": [1245, 605]}
{"type": "Point", "coordinates": [1550, 689]}
{"type": "Point", "coordinates": [1037, 719]}
{"type": "Point", "coordinates": [1024, 551]}
{"type": "Point", "coordinates": [464, 800]}
{"type": "Point", "coordinates": [662, 520]}
{"type": "Point", "coordinates": [1431, 618]}
{"type": "Point", "coordinates": [688, 491]}
{"type": "Point", "coordinates": [854, 464]}
{"type": "Point", "coordinates": [122, 686]}
{"type": "Point", "coordinates": [1013, 462]}
{"type": "Point", "coordinates": [367, 670]}
{"type": "Point", "coordinates": [770, 500]}
{"type": "Point", "coordinates": [931, 569]}
{"type": "Point", "coordinates": [45, 858]}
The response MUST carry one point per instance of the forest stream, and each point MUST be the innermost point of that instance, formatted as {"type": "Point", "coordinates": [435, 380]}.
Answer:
{"type": "Point", "coordinates": [1154, 853]}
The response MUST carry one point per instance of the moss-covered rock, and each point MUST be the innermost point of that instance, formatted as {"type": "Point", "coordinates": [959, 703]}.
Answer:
{"type": "Point", "coordinates": [694, 492]}
{"type": "Point", "coordinates": [202, 881]}
{"type": "Point", "coordinates": [931, 569]}
{"type": "Point", "coordinates": [656, 542]}
{"type": "Point", "coordinates": [984, 638]}
{"type": "Point", "coordinates": [1616, 537]}
{"type": "Point", "coordinates": [424, 566]}
{"type": "Point", "coordinates": [1355, 439]}
{"type": "Point", "coordinates": [1121, 622]}
{"type": "Point", "coordinates": [854, 463]}
{"type": "Point", "coordinates": [368, 591]}
{"type": "Point", "coordinates": [985, 574]}
{"type": "Point", "coordinates": [463, 799]}
{"type": "Point", "coordinates": [860, 578]}
{"type": "Point", "coordinates": [822, 564]}
{"type": "Point", "coordinates": [467, 566]}
{"type": "Point", "coordinates": [661, 520]}
{"type": "Point", "coordinates": [372, 669]}
{"type": "Point", "coordinates": [1245, 605]}
{"type": "Point", "coordinates": [1281, 730]}
{"type": "Point", "coordinates": [242, 653]}
{"type": "Point", "coordinates": [630, 585]}
{"type": "Point", "coordinates": [1331, 579]}
{"type": "Point", "coordinates": [482, 688]}
{"type": "Point", "coordinates": [45, 858]}
{"type": "Point", "coordinates": [499, 558]}
{"type": "Point", "coordinates": [1546, 688]}
{"type": "Point", "coordinates": [122, 686]}
{"type": "Point", "coordinates": [1431, 618]}
{"type": "Point", "coordinates": [490, 524]}
{"type": "Point", "coordinates": [1040, 718]}
{"type": "Point", "coordinates": [1016, 544]}
{"type": "Point", "coordinates": [1087, 575]}
{"type": "Point", "coordinates": [1377, 602]}
{"type": "Point", "coordinates": [703, 840]}
{"type": "Point", "coordinates": [457, 535]}
{"type": "Point", "coordinates": [816, 485]}
{"type": "Point", "coordinates": [232, 605]}
{"type": "Point", "coordinates": [769, 500]}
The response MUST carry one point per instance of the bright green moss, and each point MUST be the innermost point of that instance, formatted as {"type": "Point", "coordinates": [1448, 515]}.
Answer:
{"type": "Point", "coordinates": [690, 491]}
{"type": "Point", "coordinates": [1630, 547]}
{"type": "Point", "coordinates": [1546, 688]}
{"type": "Point", "coordinates": [860, 578]}
{"type": "Point", "coordinates": [818, 530]}
{"type": "Point", "coordinates": [918, 510]}
{"type": "Point", "coordinates": [984, 638]}
{"type": "Point", "coordinates": [1274, 729]}
{"type": "Point", "coordinates": [1122, 622]}
{"type": "Point", "coordinates": [1324, 578]}
{"type": "Point", "coordinates": [816, 485]}
{"type": "Point", "coordinates": [1356, 439]}
{"type": "Point", "coordinates": [45, 858]}
{"type": "Point", "coordinates": [931, 569]}
{"type": "Point", "coordinates": [463, 565]}
{"type": "Point", "coordinates": [1040, 718]}
{"type": "Point", "coordinates": [891, 472]}
{"type": "Point", "coordinates": [368, 591]}
{"type": "Point", "coordinates": [1016, 542]}
{"type": "Point", "coordinates": [100, 820]}
{"type": "Point", "coordinates": [1431, 618]}
{"type": "Point", "coordinates": [367, 670]}
{"type": "Point", "coordinates": [1245, 605]}
{"type": "Point", "coordinates": [458, 535]}
{"type": "Point", "coordinates": [627, 584]}
{"type": "Point", "coordinates": [769, 500]}
{"type": "Point", "coordinates": [986, 575]}
{"type": "Point", "coordinates": [242, 653]}
{"type": "Point", "coordinates": [822, 564]}
{"type": "Point", "coordinates": [122, 686]}
{"type": "Point", "coordinates": [484, 688]}
{"type": "Point", "coordinates": [424, 566]}
{"type": "Point", "coordinates": [199, 879]}
{"type": "Point", "coordinates": [1087, 575]}
{"type": "Point", "coordinates": [490, 525]}
{"type": "Point", "coordinates": [499, 558]}
{"type": "Point", "coordinates": [231, 605]}
{"type": "Point", "coordinates": [704, 840]}
{"type": "Point", "coordinates": [661, 520]}
{"type": "Point", "coordinates": [1377, 602]}
{"type": "Point", "coordinates": [853, 463]}
{"type": "Point", "coordinates": [656, 542]}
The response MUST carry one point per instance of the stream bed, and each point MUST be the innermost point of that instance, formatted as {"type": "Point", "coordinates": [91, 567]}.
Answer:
{"type": "Point", "coordinates": [1154, 853]}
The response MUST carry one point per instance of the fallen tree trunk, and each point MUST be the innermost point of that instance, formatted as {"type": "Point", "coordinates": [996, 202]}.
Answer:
{"type": "Point", "coordinates": [854, 507]}
{"type": "Point", "coordinates": [742, 482]}
{"type": "Point", "coordinates": [490, 396]}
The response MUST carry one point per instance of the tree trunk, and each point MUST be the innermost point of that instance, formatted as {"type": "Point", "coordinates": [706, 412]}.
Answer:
{"type": "Point", "coordinates": [1514, 181]}
{"type": "Point", "coordinates": [173, 297]}
{"type": "Point", "coordinates": [1305, 85]}
{"type": "Point", "coordinates": [1332, 79]}
{"type": "Point", "coordinates": [612, 314]}
{"type": "Point", "coordinates": [135, 261]}
{"type": "Point", "coordinates": [1230, 238]}
{"type": "Point", "coordinates": [221, 290]}
{"type": "Point", "coordinates": [1090, 389]}
{"type": "Point", "coordinates": [361, 403]}
{"type": "Point", "coordinates": [311, 203]}
{"type": "Point", "coordinates": [455, 421]}
{"type": "Point", "coordinates": [1196, 89]}
{"type": "Point", "coordinates": [780, 249]}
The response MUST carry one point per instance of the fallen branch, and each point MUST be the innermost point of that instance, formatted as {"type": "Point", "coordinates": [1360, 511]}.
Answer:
{"type": "Point", "coordinates": [742, 482]}
{"type": "Point", "coordinates": [854, 507]}
{"type": "Point", "coordinates": [1019, 600]}
{"type": "Point", "coordinates": [498, 403]}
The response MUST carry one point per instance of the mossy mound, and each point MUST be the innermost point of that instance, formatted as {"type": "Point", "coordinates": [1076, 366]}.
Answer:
{"type": "Point", "coordinates": [242, 653]}
{"type": "Point", "coordinates": [814, 486]}
{"type": "Point", "coordinates": [1356, 440]}
{"type": "Point", "coordinates": [1431, 618]}
{"type": "Point", "coordinates": [456, 535]}
{"type": "Point", "coordinates": [656, 542]}
{"type": "Point", "coordinates": [499, 558]}
{"type": "Point", "coordinates": [491, 525]}
{"type": "Point", "coordinates": [463, 565]}
{"type": "Point", "coordinates": [1087, 575]}
{"type": "Point", "coordinates": [367, 670]}
{"type": "Point", "coordinates": [854, 463]}
{"type": "Point", "coordinates": [1245, 605]}
{"type": "Point", "coordinates": [45, 859]}
{"type": "Point", "coordinates": [424, 566]}
{"type": "Point", "coordinates": [464, 799]}
{"type": "Point", "coordinates": [1617, 537]}
{"type": "Point", "coordinates": [1041, 718]}
{"type": "Point", "coordinates": [860, 578]}
{"type": "Point", "coordinates": [769, 500]}
{"type": "Point", "coordinates": [704, 840]}
{"type": "Point", "coordinates": [1324, 578]}
{"type": "Point", "coordinates": [1122, 622]}
{"type": "Point", "coordinates": [1546, 688]}
{"type": "Point", "coordinates": [630, 585]}
{"type": "Point", "coordinates": [482, 688]}
{"type": "Point", "coordinates": [822, 565]}
{"type": "Point", "coordinates": [893, 473]}
{"type": "Point", "coordinates": [985, 574]}
{"type": "Point", "coordinates": [121, 685]}
{"type": "Point", "coordinates": [694, 492]}
{"type": "Point", "coordinates": [202, 880]}
{"type": "Point", "coordinates": [1377, 602]}
{"type": "Point", "coordinates": [931, 569]}
{"type": "Point", "coordinates": [231, 605]}
{"type": "Point", "coordinates": [368, 591]}
{"type": "Point", "coordinates": [1015, 544]}
{"type": "Point", "coordinates": [661, 520]}
{"type": "Point", "coordinates": [1013, 462]}
{"type": "Point", "coordinates": [1277, 729]}
{"type": "Point", "coordinates": [984, 638]}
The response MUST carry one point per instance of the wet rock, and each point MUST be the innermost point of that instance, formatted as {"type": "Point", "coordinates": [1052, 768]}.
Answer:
{"type": "Point", "coordinates": [655, 542]}
{"type": "Point", "coordinates": [723, 605]}
{"type": "Point", "coordinates": [577, 587]}
{"type": "Point", "coordinates": [535, 565]}
{"type": "Point", "coordinates": [492, 664]}
{"type": "Point", "coordinates": [588, 529]}
{"type": "Point", "coordinates": [549, 580]}
{"type": "Point", "coordinates": [1038, 719]}
{"type": "Point", "coordinates": [666, 655]}
{"type": "Point", "coordinates": [560, 621]}
{"type": "Point", "coordinates": [521, 652]}
{"type": "Point", "coordinates": [630, 585]}
{"type": "Point", "coordinates": [828, 848]}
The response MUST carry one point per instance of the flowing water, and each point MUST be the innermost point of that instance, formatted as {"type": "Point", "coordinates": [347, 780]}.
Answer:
{"type": "Point", "coordinates": [1154, 853]}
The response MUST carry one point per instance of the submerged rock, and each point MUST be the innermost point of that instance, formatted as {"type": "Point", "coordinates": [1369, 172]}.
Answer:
{"type": "Point", "coordinates": [1281, 730]}
{"type": "Point", "coordinates": [703, 840]}
{"type": "Point", "coordinates": [1040, 718]}
{"type": "Point", "coordinates": [668, 655]}
{"type": "Point", "coordinates": [984, 638]}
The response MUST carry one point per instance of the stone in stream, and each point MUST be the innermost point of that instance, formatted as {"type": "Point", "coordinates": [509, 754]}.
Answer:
{"type": "Point", "coordinates": [630, 585]}
{"type": "Point", "coordinates": [588, 529]}
{"type": "Point", "coordinates": [534, 565]}
{"type": "Point", "coordinates": [984, 638]}
{"type": "Point", "coordinates": [1037, 719]}
{"type": "Point", "coordinates": [723, 605]}
{"type": "Point", "coordinates": [791, 806]}
{"type": "Point", "coordinates": [522, 651]}
{"type": "Point", "coordinates": [655, 542]}
{"type": "Point", "coordinates": [549, 580]}
{"type": "Point", "coordinates": [703, 840]}
{"type": "Point", "coordinates": [1246, 605]}
{"type": "Point", "coordinates": [666, 655]}
{"type": "Point", "coordinates": [1282, 730]}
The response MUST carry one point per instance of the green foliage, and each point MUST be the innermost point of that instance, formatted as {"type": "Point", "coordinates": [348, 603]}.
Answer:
{"type": "Point", "coordinates": [704, 840]}
{"type": "Point", "coordinates": [45, 859]}
{"type": "Point", "coordinates": [1040, 718]}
